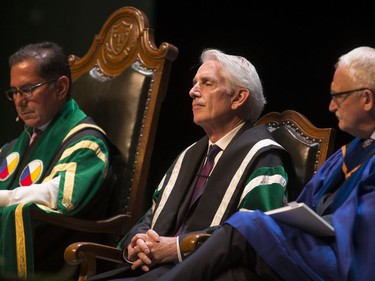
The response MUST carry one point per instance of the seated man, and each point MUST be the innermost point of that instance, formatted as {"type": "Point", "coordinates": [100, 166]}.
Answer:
{"type": "Point", "coordinates": [41, 166]}
{"type": "Point", "coordinates": [342, 192]}
{"type": "Point", "coordinates": [250, 169]}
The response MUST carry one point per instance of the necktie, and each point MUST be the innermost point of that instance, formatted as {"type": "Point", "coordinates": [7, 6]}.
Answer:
{"type": "Point", "coordinates": [36, 133]}
{"type": "Point", "coordinates": [201, 181]}
{"type": "Point", "coordinates": [205, 172]}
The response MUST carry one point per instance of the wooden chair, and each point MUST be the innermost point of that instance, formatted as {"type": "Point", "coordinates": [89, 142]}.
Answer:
{"type": "Point", "coordinates": [121, 82]}
{"type": "Point", "coordinates": [308, 146]}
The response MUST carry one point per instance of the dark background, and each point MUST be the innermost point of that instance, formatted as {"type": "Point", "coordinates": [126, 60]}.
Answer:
{"type": "Point", "coordinates": [293, 47]}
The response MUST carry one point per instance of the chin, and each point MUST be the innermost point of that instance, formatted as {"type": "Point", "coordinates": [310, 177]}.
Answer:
{"type": "Point", "coordinates": [31, 123]}
{"type": "Point", "coordinates": [347, 130]}
{"type": "Point", "coordinates": [197, 121]}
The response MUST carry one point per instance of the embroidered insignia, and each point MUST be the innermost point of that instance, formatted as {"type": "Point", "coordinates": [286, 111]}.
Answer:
{"type": "Point", "coordinates": [31, 173]}
{"type": "Point", "coordinates": [9, 165]}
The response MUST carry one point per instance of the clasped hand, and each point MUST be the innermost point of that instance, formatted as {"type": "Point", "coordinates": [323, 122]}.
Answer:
{"type": "Point", "coordinates": [148, 249]}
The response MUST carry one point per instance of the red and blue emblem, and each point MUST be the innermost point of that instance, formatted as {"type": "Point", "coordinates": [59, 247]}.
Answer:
{"type": "Point", "coordinates": [9, 165]}
{"type": "Point", "coordinates": [31, 173]}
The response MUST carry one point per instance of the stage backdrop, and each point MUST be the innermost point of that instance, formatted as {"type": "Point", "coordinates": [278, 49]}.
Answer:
{"type": "Point", "coordinates": [293, 48]}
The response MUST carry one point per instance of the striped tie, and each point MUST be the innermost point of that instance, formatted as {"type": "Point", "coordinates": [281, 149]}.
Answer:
{"type": "Point", "coordinates": [36, 134]}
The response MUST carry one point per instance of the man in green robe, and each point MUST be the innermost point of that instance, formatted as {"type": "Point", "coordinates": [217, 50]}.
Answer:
{"type": "Point", "coordinates": [47, 165]}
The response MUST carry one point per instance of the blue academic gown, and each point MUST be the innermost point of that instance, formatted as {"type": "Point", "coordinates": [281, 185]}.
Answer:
{"type": "Point", "coordinates": [350, 254]}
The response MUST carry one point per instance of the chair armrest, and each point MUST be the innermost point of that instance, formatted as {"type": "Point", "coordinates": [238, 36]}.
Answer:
{"type": "Point", "coordinates": [192, 242]}
{"type": "Point", "coordinates": [119, 224]}
{"type": "Point", "coordinates": [85, 255]}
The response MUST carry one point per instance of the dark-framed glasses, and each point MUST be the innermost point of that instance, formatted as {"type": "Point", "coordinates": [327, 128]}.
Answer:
{"type": "Point", "coordinates": [26, 92]}
{"type": "Point", "coordinates": [336, 96]}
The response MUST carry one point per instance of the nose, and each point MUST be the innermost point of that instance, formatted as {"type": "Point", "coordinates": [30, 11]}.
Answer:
{"type": "Point", "coordinates": [19, 99]}
{"type": "Point", "coordinates": [195, 91]}
{"type": "Point", "coordinates": [332, 106]}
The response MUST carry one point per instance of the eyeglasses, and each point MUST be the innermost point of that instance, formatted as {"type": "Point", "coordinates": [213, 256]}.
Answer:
{"type": "Point", "coordinates": [335, 96]}
{"type": "Point", "coordinates": [26, 92]}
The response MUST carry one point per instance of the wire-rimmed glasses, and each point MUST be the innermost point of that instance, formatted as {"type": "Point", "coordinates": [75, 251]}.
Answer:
{"type": "Point", "coordinates": [25, 92]}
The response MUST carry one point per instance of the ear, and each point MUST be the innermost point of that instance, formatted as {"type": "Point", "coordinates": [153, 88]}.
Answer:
{"type": "Point", "coordinates": [368, 100]}
{"type": "Point", "coordinates": [240, 97]}
{"type": "Point", "coordinates": [62, 85]}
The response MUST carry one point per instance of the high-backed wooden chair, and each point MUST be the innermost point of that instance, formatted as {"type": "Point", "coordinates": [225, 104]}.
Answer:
{"type": "Point", "coordinates": [121, 82]}
{"type": "Point", "coordinates": [308, 146]}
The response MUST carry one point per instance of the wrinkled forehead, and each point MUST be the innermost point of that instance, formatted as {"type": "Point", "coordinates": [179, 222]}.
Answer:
{"type": "Point", "coordinates": [341, 79]}
{"type": "Point", "coordinates": [23, 71]}
{"type": "Point", "coordinates": [210, 69]}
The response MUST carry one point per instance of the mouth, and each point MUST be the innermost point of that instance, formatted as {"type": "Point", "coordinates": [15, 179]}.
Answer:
{"type": "Point", "coordinates": [25, 115]}
{"type": "Point", "coordinates": [196, 105]}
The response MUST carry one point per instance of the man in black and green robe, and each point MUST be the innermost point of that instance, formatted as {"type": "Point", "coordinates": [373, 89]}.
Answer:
{"type": "Point", "coordinates": [251, 170]}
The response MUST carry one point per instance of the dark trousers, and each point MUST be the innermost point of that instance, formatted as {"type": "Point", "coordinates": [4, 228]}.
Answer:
{"type": "Point", "coordinates": [127, 274]}
{"type": "Point", "coordinates": [225, 256]}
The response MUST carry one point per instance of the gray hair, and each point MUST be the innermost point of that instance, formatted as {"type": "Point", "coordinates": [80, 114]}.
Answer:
{"type": "Point", "coordinates": [240, 73]}
{"type": "Point", "coordinates": [361, 65]}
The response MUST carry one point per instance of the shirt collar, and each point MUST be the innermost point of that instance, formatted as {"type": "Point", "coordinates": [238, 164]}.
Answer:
{"type": "Point", "coordinates": [224, 141]}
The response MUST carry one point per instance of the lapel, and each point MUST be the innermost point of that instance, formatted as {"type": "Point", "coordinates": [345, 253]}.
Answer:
{"type": "Point", "coordinates": [173, 211]}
